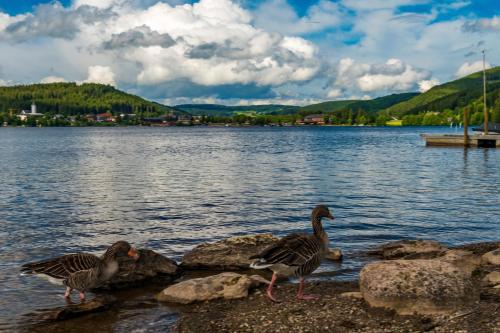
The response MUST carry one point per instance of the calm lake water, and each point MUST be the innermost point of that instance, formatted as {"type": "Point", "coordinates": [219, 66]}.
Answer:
{"type": "Point", "coordinates": [80, 189]}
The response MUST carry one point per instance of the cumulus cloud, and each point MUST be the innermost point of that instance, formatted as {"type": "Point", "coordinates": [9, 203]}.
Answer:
{"type": "Point", "coordinates": [222, 49]}
{"type": "Point", "coordinates": [52, 79]}
{"type": "Point", "coordinates": [217, 44]}
{"type": "Point", "coordinates": [53, 20]}
{"type": "Point", "coordinates": [469, 68]}
{"type": "Point", "coordinates": [100, 74]}
{"type": "Point", "coordinates": [425, 85]}
{"type": "Point", "coordinates": [141, 36]}
{"type": "Point", "coordinates": [393, 75]}
{"type": "Point", "coordinates": [210, 42]}
{"type": "Point", "coordinates": [483, 25]}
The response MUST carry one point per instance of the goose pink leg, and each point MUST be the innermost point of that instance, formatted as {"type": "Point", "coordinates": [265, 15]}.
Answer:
{"type": "Point", "coordinates": [270, 289]}
{"type": "Point", "coordinates": [67, 294]}
{"type": "Point", "coordinates": [301, 295]}
{"type": "Point", "coordinates": [82, 296]}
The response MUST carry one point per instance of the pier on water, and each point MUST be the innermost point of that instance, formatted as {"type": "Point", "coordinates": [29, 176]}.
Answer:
{"type": "Point", "coordinates": [474, 140]}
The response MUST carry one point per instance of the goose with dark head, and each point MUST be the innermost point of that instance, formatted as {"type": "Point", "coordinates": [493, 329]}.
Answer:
{"type": "Point", "coordinates": [82, 271]}
{"type": "Point", "coordinates": [296, 254]}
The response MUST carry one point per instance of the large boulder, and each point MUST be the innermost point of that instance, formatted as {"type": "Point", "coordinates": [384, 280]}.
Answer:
{"type": "Point", "coordinates": [149, 265]}
{"type": "Point", "coordinates": [227, 254]}
{"type": "Point", "coordinates": [410, 249]}
{"type": "Point", "coordinates": [416, 286]}
{"type": "Point", "coordinates": [227, 285]}
{"type": "Point", "coordinates": [492, 257]}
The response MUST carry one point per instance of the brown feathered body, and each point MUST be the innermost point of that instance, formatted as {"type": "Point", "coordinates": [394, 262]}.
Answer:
{"type": "Point", "coordinates": [296, 254]}
{"type": "Point", "coordinates": [81, 271]}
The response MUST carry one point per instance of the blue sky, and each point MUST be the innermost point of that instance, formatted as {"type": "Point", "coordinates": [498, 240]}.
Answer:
{"type": "Point", "coordinates": [248, 52]}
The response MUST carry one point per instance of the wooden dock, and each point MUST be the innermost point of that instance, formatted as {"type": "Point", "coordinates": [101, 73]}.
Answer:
{"type": "Point", "coordinates": [474, 140]}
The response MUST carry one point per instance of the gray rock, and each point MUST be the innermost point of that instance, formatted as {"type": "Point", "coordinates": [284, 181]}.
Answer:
{"type": "Point", "coordinates": [410, 249]}
{"type": "Point", "coordinates": [465, 260]}
{"type": "Point", "coordinates": [492, 279]}
{"type": "Point", "coordinates": [352, 294]}
{"type": "Point", "coordinates": [334, 254]}
{"type": "Point", "coordinates": [417, 286]}
{"type": "Point", "coordinates": [492, 257]}
{"type": "Point", "coordinates": [227, 254]}
{"type": "Point", "coordinates": [98, 304]}
{"type": "Point", "coordinates": [227, 285]}
{"type": "Point", "coordinates": [149, 265]}
{"type": "Point", "coordinates": [479, 248]}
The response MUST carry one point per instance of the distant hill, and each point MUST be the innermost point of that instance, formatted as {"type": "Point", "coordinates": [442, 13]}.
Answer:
{"type": "Point", "coordinates": [229, 111]}
{"type": "Point", "coordinates": [74, 99]}
{"type": "Point", "coordinates": [451, 95]}
{"type": "Point", "coordinates": [372, 105]}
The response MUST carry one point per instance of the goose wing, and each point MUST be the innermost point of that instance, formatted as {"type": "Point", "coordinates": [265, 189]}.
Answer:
{"type": "Point", "coordinates": [62, 267]}
{"type": "Point", "coordinates": [291, 250]}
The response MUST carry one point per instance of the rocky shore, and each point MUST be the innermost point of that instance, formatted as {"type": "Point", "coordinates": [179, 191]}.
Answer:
{"type": "Point", "coordinates": [409, 286]}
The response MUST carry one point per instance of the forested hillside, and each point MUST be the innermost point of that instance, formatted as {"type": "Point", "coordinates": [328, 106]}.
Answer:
{"type": "Point", "coordinates": [453, 95]}
{"type": "Point", "coordinates": [73, 99]}
{"type": "Point", "coordinates": [218, 110]}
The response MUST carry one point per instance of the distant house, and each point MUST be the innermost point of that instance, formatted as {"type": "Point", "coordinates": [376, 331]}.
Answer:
{"type": "Point", "coordinates": [197, 120]}
{"type": "Point", "coordinates": [165, 120]}
{"type": "Point", "coordinates": [90, 118]}
{"type": "Point", "coordinates": [184, 119]}
{"type": "Point", "coordinates": [104, 118]}
{"type": "Point", "coordinates": [314, 119]}
{"type": "Point", "coordinates": [127, 115]}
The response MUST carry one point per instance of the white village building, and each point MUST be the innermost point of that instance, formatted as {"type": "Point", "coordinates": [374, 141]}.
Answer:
{"type": "Point", "coordinates": [29, 113]}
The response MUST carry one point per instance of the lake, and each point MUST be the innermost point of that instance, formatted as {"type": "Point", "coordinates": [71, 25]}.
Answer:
{"type": "Point", "coordinates": [65, 190]}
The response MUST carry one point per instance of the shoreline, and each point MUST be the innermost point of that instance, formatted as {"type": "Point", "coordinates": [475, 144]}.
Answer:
{"type": "Point", "coordinates": [341, 308]}
{"type": "Point", "coordinates": [231, 126]}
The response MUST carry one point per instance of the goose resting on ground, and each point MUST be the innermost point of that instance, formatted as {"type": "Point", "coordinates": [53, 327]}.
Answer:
{"type": "Point", "coordinates": [82, 271]}
{"type": "Point", "coordinates": [296, 254]}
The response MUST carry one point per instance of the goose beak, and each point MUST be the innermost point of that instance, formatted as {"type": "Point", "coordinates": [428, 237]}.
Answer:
{"type": "Point", "coordinates": [132, 253]}
{"type": "Point", "coordinates": [330, 216]}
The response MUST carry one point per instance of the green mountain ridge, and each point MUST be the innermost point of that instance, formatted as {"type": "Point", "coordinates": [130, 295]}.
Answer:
{"type": "Point", "coordinates": [450, 95]}
{"type": "Point", "coordinates": [376, 104]}
{"type": "Point", "coordinates": [74, 99]}
{"type": "Point", "coordinates": [443, 104]}
{"type": "Point", "coordinates": [229, 111]}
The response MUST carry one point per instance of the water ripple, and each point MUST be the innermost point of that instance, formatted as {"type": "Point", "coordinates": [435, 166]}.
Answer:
{"type": "Point", "coordinates": [71, 189]}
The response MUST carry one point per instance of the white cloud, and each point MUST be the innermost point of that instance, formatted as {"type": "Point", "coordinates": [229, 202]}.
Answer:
{"type": "Point", "coordinates": [425, 85]}
{"type": "Point", "coordinates": [100, 74]}
{"type": "Point", "coordinates": [3, 83]}
{"type": "Point", "coordinates": [96, 3]}
{"type": "Point", "coordinates": [52, 79]}
{"type": "Point", "coordinates": [213, 46]}
{"type": "Point", "coordinates": [393, 75]}
{"type": "Point", "coordinates": [483, 25]}
{"type": "Point", "coordinates": [216, 44]}
{"type": "Point", "coordinates": [469, 68]}
{"type": "Point", "coordinates": [211, 42]}
{"type": "Point", "coordinates": [334, 93]}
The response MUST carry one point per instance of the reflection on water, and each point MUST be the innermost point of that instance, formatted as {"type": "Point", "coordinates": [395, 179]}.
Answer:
{"type": "Point", "coordinates": [72, 189]}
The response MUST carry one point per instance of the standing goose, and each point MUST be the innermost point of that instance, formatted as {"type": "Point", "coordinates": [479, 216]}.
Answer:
{"type": "Point", "coordinates": [82, 271]}
{"type": "Point", "coordinates": [296, 254]}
